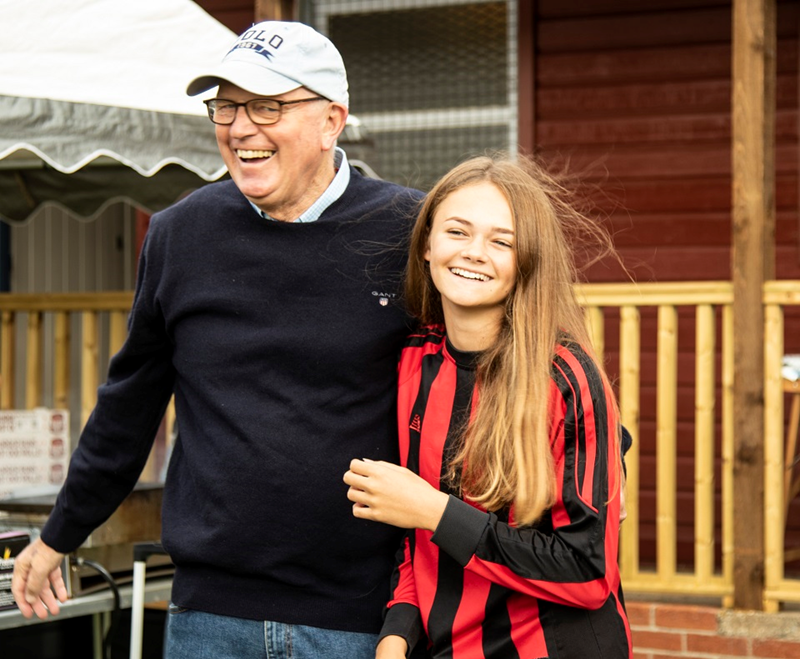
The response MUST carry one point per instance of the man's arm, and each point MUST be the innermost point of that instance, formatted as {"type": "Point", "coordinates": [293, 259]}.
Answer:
{"type": "Point", "coordinates": [37, 583]}
{"type": "Point", "coordinates": [111, 453]}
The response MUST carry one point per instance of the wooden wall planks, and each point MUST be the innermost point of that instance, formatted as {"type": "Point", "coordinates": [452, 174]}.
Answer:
{"type": "Point", "coordinates": [635, 98]}
{"type": "Point", "coordinates": [237, 15]}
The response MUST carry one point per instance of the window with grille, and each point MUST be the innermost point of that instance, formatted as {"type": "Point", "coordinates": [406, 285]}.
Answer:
{"type": "Point", "coordinates": [432, 81]}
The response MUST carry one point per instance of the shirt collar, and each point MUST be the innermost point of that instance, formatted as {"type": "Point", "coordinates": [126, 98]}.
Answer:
{"type": "Point", "coordinates": [332, 193]}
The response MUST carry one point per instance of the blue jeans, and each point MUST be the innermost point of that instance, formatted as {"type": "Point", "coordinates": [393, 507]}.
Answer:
{"type": "Point", "coordinates": [198, 635]}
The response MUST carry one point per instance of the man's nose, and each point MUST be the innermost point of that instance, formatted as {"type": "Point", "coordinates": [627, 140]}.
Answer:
{"type": "Point", "coordinates": [242, 124]}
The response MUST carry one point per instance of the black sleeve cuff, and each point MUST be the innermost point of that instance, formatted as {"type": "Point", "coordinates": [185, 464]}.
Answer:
{"type": "Point", "coordinates": [460, 530]}
{"type": "Point", "coordinates": [403, 620]}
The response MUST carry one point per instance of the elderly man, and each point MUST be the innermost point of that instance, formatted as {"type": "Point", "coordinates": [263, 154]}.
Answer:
{"type": "Point", "coordinates": [268, 305]}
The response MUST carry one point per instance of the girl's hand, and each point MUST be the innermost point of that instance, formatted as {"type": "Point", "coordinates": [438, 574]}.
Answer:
{"type": "Point", "coordinates": [391, 647]}
{"type": "Point", "coordinates": [389, 493]}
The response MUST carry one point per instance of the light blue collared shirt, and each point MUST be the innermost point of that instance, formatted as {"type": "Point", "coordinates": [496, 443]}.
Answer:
{"type": "Point", "coordinates": [335, 190]}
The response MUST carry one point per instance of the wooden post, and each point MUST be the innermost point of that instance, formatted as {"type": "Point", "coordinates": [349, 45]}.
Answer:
{"type": "Point", "coordinates": [727, 450]}
{"type": "Point", "coordinates": [666, 444]}
{"type": "Point", "coordinates": [774, 473]}
{"type": "Point", "coordinates": [629, 406]}
{"type": "Point", "coordinates": [33, 375]}
{"type": "Point", "coordinates": [274, 10]}
{"type": "Point", "coordinates": [117, 331]}
{"type": "Point", "coordinates": [704, 442]}
{"type": "Point", "coordinates": [7, 360]}
{"type": "Point", "coordinates": [753, 262]}
{"type": "Point", "coordinates": [595, 325]}
{"type": "Point", "coordinates": [61, 339]}
{"type": "Point", "coordinates": [90, 378]}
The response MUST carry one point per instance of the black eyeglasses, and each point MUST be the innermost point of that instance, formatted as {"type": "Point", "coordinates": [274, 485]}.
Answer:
{"type": "Point", "coordinates": [262, 111]}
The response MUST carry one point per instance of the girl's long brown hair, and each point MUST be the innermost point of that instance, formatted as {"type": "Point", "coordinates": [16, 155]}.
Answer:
{"type": "Point", "coordinates": [505, 458]}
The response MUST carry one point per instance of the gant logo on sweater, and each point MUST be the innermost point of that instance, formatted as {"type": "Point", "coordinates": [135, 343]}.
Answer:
{"type": "Point", "coordinates": [383, 298]}
{"type": "Point", "coordinates": [416, 423]}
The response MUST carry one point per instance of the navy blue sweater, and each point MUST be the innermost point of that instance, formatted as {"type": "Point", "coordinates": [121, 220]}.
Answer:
{"type": "Point", "coordinates": [280, 342]}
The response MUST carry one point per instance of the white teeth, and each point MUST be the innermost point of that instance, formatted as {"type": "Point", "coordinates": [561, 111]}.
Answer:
{"type": "Point", "coordinates": [469, 275]}
{"type": "Point", "coordinates": [252, 153]}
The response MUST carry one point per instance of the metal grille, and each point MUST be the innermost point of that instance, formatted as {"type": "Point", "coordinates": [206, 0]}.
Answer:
{"type": "Point", "coordinates": [417, 158]}
{"type": "Point", "coordinates": [433, 82]}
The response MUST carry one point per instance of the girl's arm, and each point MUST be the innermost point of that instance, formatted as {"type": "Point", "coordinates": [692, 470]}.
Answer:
{"type": "Point", "coordinates": [391, 647]}
{"type": "Point", "coordinates": [402, 623]}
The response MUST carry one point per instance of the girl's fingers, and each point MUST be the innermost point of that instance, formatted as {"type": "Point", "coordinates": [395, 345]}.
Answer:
{"type": "Point", "coordinates": [360, 497]}
{"type": "Point", "coordinates": [352, 476]}
{"type": "Point", "coordinates": [362, 467]}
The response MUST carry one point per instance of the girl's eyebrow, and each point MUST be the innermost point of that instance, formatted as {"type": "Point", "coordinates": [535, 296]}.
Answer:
{"type": "Point", "coordinates": [461, 220]}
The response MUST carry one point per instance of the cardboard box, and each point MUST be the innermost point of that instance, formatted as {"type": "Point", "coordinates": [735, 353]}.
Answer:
{"type": "Point", "coordinates": [34, 448]}
{"type": "Point", "coordinates": [11, 544]}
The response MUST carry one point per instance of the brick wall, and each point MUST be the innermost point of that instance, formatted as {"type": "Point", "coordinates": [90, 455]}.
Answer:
{"type": "Point", "coordinates": [662, 631]}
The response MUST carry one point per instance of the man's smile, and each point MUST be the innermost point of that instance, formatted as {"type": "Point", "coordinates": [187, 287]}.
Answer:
{"type": "Point", "coordinates": [253, 154]}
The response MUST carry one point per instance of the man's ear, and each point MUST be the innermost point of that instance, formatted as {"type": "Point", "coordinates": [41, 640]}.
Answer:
{"type": "Point", "coordinates": [335, 121]}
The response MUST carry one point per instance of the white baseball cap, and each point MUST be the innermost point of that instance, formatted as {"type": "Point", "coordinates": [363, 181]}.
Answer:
{"type": "Point", "coordinates": [275, 57]}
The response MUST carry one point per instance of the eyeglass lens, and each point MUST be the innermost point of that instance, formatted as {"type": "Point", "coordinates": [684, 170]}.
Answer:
{"type": "Point", "coordinates": [260, 110]}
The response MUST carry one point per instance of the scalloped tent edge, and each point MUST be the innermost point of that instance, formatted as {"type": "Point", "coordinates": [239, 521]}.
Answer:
{"type": "Point", "coordinates": [93, 105]}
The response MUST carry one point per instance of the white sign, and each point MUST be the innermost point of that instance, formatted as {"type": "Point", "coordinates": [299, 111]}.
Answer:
{"type": "Point", "coordinates": [34, 448]}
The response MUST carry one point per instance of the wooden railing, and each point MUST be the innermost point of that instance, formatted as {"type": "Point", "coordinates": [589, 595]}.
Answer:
{"type": "Point", "coordinates": [54, 352]}
{"type": "Point", "coordinates": [59, 309]}
{"type": "Point", "coordinates": [703, 578]}
{"type": "Point", "coordinates": [26, 358]}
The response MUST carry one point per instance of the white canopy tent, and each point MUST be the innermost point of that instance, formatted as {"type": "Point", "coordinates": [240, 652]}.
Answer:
{"type": "Point", "coordinates": [93, 107]}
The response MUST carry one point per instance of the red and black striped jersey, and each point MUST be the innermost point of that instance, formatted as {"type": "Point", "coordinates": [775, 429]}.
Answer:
{"type": "Point", "coordinates": [481, 587]}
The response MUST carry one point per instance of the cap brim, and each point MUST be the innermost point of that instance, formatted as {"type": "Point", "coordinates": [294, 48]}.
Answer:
{"type": "Point", "coordinates": [254, 79]}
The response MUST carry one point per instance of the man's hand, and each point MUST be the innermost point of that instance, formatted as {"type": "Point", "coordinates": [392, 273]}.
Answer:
{"type": "Point", "coordinates": [391, 647]}
{"type": "Point", "coordinates": [37, 584]}
{"type": "Point", "coordinates": [388, 493]}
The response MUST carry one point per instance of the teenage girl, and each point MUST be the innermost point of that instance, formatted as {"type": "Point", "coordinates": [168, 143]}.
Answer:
{"type": "Point", "coordinates": [511, 477]}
